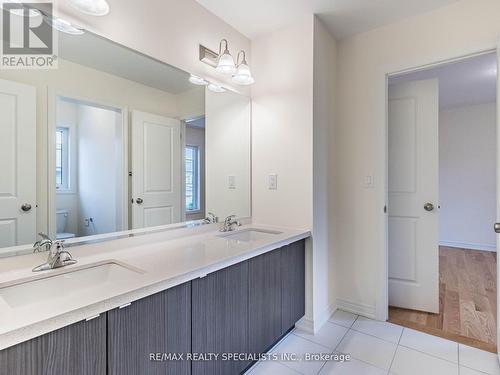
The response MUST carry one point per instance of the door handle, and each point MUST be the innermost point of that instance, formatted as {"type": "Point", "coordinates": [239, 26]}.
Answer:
{"type": "Point", "coordinates": [496, 227]}
{"type": "Point", "coordinates": [428, 206]}
{"type": "Point", "coordinates": [26, 207]}
{"type": "Point", "coordinates": [139, 201]}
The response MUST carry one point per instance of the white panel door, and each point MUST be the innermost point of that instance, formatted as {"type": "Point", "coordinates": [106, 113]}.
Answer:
{"type": "Point", "coordinates": [413, 195]}
{"type": "Point", "coordinates": [156, 170]}
{"type": "Point", "coordinates": [17, 164]}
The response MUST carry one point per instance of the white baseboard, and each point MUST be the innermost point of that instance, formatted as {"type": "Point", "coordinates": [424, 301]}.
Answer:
{"type": "Point", "coordinates": [357, 308]}
{"type": "Point", "coordinates": [314, 325]}
{"type": "Point", "coordinates": [469, 245]}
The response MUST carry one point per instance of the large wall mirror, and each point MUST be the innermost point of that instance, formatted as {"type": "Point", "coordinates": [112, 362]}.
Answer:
{"type": "Point", "coordinates": [113, 140]}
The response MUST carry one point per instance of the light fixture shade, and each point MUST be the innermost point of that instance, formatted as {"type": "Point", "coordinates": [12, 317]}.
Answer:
{"type": "Point", "coordinates": [226, 63]}
{"type": "Point", "coordinates": [63, 26]}
{"type": "Point", "coordinates": [216, 88]}
{"type": "Point", "coordinates": [91, 7]}
{"type": "Point", "coordinates": [243, 75]}
{"type": "Point", "coordinates": [195, 80]}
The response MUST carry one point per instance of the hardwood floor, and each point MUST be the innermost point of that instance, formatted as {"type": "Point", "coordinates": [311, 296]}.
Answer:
{"type": "Point", "coordinates": [467, 300]}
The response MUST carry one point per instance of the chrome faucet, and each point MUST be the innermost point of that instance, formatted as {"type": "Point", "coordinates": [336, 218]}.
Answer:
{"type": "Point", "coordinates": [211, 219]}
{"type": "Point", "coordinates": [45, 242]}
{"type": "Point", "coordinates": [229, 223]}
{"type": "Point", "coordinates": [58, 256]}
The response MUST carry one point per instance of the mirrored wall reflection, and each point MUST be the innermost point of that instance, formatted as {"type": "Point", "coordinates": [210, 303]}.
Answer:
{"type": "Point", "coordinates": [113, 140]}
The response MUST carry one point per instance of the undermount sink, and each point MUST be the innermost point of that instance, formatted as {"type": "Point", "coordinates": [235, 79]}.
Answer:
{"type": "Point", "coordinates": [249, 235]}
{"type": "Point", "coordinates": [84, 279]}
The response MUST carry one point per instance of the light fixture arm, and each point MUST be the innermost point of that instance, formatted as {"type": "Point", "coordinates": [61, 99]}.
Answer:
{"type": "Point", "coordinates": [244, 61]}
{"type": "Point", "coordinates": [226, 49]}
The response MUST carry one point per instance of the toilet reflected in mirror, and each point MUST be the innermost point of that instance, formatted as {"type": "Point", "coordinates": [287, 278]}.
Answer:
{"type": "Point", "coordinates": [62, 222]}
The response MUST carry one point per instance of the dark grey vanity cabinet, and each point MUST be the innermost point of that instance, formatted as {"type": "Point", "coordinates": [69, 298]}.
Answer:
{"type": "Point", "coordinates": [277, 294]}
{"type": "Point", "coordinates": [264, 300]}
{"type": "Point", "coordinates": [244, 308]}
{"type": "Point", "coordinates": [160, 323]}
{"type": "Point", "coordinates": [78, 349]}
{"type": "Point", "coordinates": [293, 285]}
{"type": "Point", "coordinates": [220, 319]}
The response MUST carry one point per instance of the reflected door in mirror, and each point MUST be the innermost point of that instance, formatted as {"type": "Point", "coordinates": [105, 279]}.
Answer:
{"type": "Point", "coordinates": [156, 170]}
{"type": "Point", "coordinates": [17, 163]}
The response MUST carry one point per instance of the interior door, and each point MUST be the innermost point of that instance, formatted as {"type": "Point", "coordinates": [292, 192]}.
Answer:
{"type": "Point", "coordinates": [156, 170]}
{"type": "Point", "coordinates": [413, 195]}
{"type": "Point", "coordinates": [17, 163]}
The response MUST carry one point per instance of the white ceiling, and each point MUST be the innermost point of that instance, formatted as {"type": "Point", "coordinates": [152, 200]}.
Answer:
{"type": "Point", "coordinates": [101, 54]}
{"type": "Point", "coordinates": [342, 17]}
{"type": "Point", "coordinates": [467, 82]}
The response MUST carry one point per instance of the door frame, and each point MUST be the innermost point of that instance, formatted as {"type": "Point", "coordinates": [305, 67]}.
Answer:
{"type": "Point", "coordinates": [52, 95]}
{"type": "Point", "coordinates": [382, 301]}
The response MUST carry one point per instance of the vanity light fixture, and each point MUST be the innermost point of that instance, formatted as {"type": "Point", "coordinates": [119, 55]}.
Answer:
{"type": "Point", "coordinates": [216, 88]}
{"type": "Point", "coordinates": [225, 62]}
{"type": "Point", "coordinates": [242, 75]}
{"type": "Point", "coordinates": [91, 7]}
{"type": "Point", "coordinates": [63, 26]}
{"type": "Point", "coordinates": [195, 80]}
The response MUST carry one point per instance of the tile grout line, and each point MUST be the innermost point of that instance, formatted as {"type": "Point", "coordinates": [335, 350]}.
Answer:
{"type": "Point", "coordinates": [395, 351]}
{"type": "Point", "coordinates": [358, 359]}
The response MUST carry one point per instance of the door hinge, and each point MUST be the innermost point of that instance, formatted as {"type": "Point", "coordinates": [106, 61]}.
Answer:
{"type": "Point", "coordinates": [385, 209]}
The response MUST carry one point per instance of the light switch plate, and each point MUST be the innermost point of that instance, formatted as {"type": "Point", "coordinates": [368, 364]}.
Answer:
{"type": "Point", "coordinates": [231, 182]}
{"type": "Point", "coordinates": [273, 182]}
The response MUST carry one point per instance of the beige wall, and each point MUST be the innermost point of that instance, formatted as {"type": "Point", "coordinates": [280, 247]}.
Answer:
{"type": "Point", "coordinates": [292, 117]}
{"type": "Point", "coordinates": [227, 153]}
{"type": "Point", "coordinates": [467, 176]}
{"type": "Point", "coordinates": [168, 30]}
{"type": "Point", "coordinates": [325, 55]}
{"type": "Point", "coordinates": [78, 81]}
{"type": "Point", "coordinates": [359, 142]}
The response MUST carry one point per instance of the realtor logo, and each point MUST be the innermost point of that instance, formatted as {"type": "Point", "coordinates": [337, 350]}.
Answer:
{"type": "Point", "coordinates": [28, 41]}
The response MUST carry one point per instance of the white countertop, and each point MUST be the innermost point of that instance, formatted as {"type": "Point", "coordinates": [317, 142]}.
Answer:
{"type": "Point", "coordinates": [162, 259]}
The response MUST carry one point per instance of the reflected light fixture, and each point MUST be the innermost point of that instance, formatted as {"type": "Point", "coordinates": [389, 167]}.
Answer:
{"type": "Point", "coordinates": [63, 26]}
{"type": "Point", "coordinates": [195, 80]}
{"type": "Point", "coordinates": [242, 75]}
{"type": "Point", "coordinates": [216, 88]}
{"type": "Point", "coordinates": [91, 7]}
{"type": "Point", "coordinates": [225, 62]}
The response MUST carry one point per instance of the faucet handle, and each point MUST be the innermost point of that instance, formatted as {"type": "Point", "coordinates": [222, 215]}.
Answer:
{"type": "Point", "coordinates": [44, 236]}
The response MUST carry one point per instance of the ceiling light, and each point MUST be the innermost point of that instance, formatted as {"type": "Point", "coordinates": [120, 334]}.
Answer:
{"type": "Point", "coordinates": [21, 12]}
{"type": "Point", "coordinates": [243, 75]}
{"type": "Point", "coordinates": [63, 26]}
{"type": "Point", "coordinates": [91, 7]}
{"type": "Point", "coordinates": [195, 80]}
{"type": "Point", "coordinates": [216, 88]}
{"type": "Point", "coordinates": [225, 63]}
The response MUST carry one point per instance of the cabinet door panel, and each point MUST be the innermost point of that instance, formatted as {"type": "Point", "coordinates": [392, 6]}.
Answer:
{"type": "Point", "coordinates": [293, 284]}
{"type": "Point", "coordinates": [160, 323]}
{"type": "Point", "coordinates": [220, 319]}
{"type": "Point", "coordinates": [264, 300]}
{"type": "Point", "coordinates": [78, 349]}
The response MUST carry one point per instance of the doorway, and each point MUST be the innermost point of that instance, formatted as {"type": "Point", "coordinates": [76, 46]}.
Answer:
{"type": "Point", "coordinates": [90, 189]}
{"type": "Point", "coordinates": [442, 200]}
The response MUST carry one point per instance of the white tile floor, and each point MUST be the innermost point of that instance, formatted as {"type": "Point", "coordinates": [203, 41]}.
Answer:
{"type": "Point", "coordinates": [377, 348]}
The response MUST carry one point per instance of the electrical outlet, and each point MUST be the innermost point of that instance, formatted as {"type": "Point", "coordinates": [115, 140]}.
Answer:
{"type": "Point", "coordinates": [231, 182]}
{"type": "Point", "coordinates": [273, 182]}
